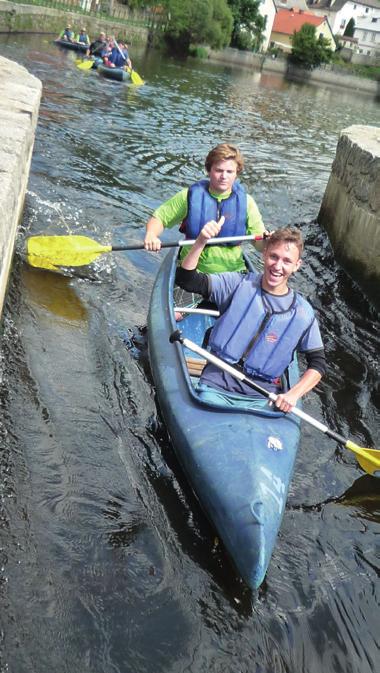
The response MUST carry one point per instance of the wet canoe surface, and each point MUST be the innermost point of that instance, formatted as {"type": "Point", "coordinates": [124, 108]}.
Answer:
{"type": "Point", "coordinates": [238, 463]}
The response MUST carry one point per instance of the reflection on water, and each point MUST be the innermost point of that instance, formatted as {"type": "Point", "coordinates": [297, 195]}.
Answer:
{"type": "Point", "coordinates": [104, 550]}
{"type": "Point", "coordinates": [54, 293]}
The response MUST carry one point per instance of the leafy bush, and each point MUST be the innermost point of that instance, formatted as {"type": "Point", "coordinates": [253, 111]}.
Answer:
{"type": "Point", "coordinates": [308, 51]}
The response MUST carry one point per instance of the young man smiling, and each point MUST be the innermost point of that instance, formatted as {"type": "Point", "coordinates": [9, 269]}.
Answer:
{"type": "Point", "coordinates": [262, 324]}
{"type": "Point", "coordinates": [206, 200]}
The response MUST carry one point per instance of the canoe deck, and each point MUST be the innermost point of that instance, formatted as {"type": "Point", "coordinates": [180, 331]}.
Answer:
{"type": "Point", "coordinates": [74, 46]}
{"type": "Point", "coordinates": [238, 463]}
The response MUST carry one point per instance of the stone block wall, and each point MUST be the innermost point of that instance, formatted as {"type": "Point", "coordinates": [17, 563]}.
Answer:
{"type": "Point", "coordinates": [15, 18]}
{"type": "Point", "coordinates": [20, 95]}
{"type": "Point", "coordinates": [350, 210]}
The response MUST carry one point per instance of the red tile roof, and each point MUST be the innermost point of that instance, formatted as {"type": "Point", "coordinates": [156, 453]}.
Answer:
{"type": "Point", "coordinates": [289, 20]}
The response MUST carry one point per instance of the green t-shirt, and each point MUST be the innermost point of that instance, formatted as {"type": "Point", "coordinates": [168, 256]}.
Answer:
{"type": "Point", "coordinates": [214, 259]}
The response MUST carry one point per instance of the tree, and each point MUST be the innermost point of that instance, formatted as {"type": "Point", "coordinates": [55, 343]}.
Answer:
{"type": "Point", "coordinates": [308, 51]}
{"type": "Point", "coordinates": [249, 24]}
{"type": "Point", "coordinates": [350, 28]}
{"type": "Point", "coordinates": [197, 22]}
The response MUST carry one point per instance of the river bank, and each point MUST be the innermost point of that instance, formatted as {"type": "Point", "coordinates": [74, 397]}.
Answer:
{"type": "Point", "coordinates": [17, 18]}
{"type": "Point", "coordinates": [20, 95]}
{"type": "Point", "coordinates": [320, 76]}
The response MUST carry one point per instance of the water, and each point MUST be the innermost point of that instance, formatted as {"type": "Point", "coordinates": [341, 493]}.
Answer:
{"type": "Point", "coordinates": [107, 563]}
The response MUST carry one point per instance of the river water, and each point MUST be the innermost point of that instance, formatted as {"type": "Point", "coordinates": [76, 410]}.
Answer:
{"type": "Point", "coordinates": [107, 563]}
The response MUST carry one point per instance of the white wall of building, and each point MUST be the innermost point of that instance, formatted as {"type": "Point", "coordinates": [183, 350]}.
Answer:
{"type": "Point", "coordinates": [351, 10]}
{"type": "Point", "coordinates": [267, 9]}
{"type": "Point", "coordinates": [367, 32]}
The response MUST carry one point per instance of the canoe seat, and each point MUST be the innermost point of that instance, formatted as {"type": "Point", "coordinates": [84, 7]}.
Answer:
{"type": "Point", "coordinates": [195, 366]}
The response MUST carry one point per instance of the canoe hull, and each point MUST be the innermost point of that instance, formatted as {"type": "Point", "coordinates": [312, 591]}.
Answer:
{"type": "Point", "coordinates": [74, 46]}
{"type": "Point", "coordinates": [239, 464]}
{"type": "Point", "coordinates": [117, 74]}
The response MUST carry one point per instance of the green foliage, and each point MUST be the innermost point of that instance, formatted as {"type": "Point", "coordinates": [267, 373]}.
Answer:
{"type": "Point", "coordinates": [206, 22]}
{"type": "Point", "coordinates": [350, 28]}
{"type": "Point", "coordinates": [356, 69]}
{"type": "Point", "coordinates": [308, 51]}
{"type": "Point", "coordinates": [198, 52]}
{"type": "Point", "coordinates": [248, 27]}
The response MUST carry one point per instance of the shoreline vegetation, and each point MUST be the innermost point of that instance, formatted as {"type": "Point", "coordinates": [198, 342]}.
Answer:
{"type": "Point", "coordinates": [146, 27]}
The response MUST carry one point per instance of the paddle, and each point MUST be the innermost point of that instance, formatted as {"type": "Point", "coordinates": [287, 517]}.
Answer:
{"type": "Point", "coordinates": [135, 77]}
{"type": "Point", "coordinates": [50, 252]}
{"type": "Point", "coordinates": [84, 65]}
{"type": "Point", "coordinates": [368, 459]}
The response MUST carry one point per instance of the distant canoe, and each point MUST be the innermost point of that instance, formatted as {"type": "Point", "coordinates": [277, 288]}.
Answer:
{"type": "Point", "coordinates": [117, 74]}
{"type": "Point", "coordinates": [75, 46]}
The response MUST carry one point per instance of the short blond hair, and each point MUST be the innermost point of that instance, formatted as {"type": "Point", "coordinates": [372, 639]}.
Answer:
{"type": "Point", "coordinates": [224, 152]}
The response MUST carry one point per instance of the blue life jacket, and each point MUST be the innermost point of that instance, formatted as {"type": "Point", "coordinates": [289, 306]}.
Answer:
{"type": "Point", "coordinates": [261, 340]}
{"type": "Point", "coordinates": [116, 58]}
{"type": "Point", "coordinates": [83, 38]}
{"type": "Point", "coordinates": [203, 207]}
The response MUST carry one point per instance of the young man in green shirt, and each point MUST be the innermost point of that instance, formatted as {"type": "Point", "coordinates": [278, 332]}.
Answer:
{"type": "Point", "coordinates": [206, 201]}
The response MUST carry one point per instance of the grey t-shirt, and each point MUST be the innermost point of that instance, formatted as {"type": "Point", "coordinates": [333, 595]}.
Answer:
{"type": "Point", "coordinates": [223, 287]}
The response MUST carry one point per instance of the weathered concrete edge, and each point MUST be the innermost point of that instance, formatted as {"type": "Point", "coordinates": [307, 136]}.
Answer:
{"type": "Point", "coordinates": [234, 57]}
{"type": "Point", "coordinates": [20, 96]}
{"type": "Point", "coordinates": [350, 210]}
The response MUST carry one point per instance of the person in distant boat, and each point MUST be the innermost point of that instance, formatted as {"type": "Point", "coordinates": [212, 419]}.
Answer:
{"type": "Point", "coordinates": [220, 194]}
{"type": "Point", "coordinates": [98, 47]}
{"type": "Point", "coordinates": [262, 323]}
{"type": "Point", "coordinates": [82, 37]}
{"type": "Point", "coordinates": [67, 34]}
{"type": "Point", "coordinates": [119, 57]}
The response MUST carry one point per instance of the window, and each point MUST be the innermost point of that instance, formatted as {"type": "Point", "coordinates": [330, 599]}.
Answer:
{"type": "Point", "coordinates": [373, 37]}
{"type": "Point", "coordinates": [374, 20]}
{"type": "Point", "coordinates": [366, 10]}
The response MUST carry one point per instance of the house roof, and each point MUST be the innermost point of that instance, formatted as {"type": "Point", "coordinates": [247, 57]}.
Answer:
{"type": "Point", "coordinates": [289, 20]}
{"type": "Point", "coordinates": [338, 4]}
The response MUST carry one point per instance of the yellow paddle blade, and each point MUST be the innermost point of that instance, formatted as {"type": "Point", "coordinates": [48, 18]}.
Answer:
{"type": "Point", "coordinates": [84, 65]}
{"type": "Point", "coordinates": [135, 77]}
{"type": "Point", "coordinates": [51, 252]}
{"type": "Point", "coordinates": [368, 459]}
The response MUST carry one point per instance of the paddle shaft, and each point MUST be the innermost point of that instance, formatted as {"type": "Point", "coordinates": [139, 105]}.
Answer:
{"type": "Point", "coordinates": [185, 242]}
{"type": "Point", "coordinates": [176, 336]}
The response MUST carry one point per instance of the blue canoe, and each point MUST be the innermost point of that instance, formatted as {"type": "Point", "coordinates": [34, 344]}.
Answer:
{"type": "Point", "coordinates": [239, 464]}
{"type": "Point", "coordinates": [75, 46]}
{"type": "Point", "coordinates": [117, 74]}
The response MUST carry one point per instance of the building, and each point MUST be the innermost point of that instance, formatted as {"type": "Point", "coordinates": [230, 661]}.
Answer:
{"type": "Point", "coordinates": [267, 10]}
{"type": "Point", "coordinates": [290, 21]}
{"type": "Point", "coordinates": [339, 12]}
{"type": "Point", "coordinates": [367, 33]}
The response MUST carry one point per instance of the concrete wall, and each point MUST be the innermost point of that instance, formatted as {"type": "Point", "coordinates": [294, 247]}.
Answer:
{"type": "Point", "coordinates": [20, 95]}
{"type": "Point", "coordinates": [34, 19]}
{"type": "Point", "coordinates": [350, 210]}
{"type": "Point", "coordinates": [326, 76]}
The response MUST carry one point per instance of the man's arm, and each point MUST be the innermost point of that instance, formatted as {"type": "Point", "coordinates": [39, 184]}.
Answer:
{"type": "Point", "coordinates": [286, 401]}
{"type": "Point", "coordinates": [255, 224]}
{"type": "Point", "coordinates": [187, 276]}
{"type": "Point", "coordinates": [210, 230]}
{"type": "Point", "coordinates": [167, 215]}
{"type": "Point", "coordinates": [316, 368]}
{"type": "Point", "coordinates": [154, 228]}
